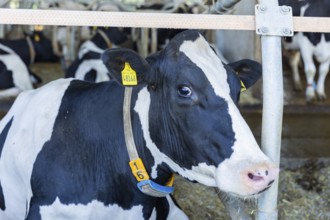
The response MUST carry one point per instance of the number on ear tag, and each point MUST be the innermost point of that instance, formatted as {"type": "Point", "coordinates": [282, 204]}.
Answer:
{"type": "Point", "coordinates": [128, 76]}
{"type": "Point", "coordinates": [138, 170]}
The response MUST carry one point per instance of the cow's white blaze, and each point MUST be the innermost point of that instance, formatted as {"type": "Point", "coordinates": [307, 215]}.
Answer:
{"type": "Point", "coordinates": [34, 127]}
{"type": "Point", "coordinates": [91, 211]}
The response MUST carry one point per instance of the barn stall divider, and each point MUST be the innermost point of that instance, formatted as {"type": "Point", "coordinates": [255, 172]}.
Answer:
{"type": "Point", "coordinates": [271, 22]}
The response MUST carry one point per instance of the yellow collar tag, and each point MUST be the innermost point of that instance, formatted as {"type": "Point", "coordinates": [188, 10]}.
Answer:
{"type": "Point", "coordinates": [146, 185]}
{"type": "Point", "coordinates": [128, 75]}
{"type": "Point", "coordinates": [138, 170]}
{"type": "Point", "coordinates": [170, 181]}
{"type": "Point", "coordinates": [243, 88]}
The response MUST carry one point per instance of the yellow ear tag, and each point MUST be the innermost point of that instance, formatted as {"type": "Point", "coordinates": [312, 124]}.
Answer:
{"type": "Point", "coordinates": [38, 27]}
{"type": "Point", "coordinates": [138, 170]}
{"type": "Point", "coordinates": [243, 88]}
{"type": "Point", "coordinates": [128, 76]}
{"type": "Point", "coordinates": [36, 38]}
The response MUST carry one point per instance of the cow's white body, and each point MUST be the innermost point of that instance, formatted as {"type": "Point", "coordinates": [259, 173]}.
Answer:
{"type": "Point", "coordinates": [20, 73]}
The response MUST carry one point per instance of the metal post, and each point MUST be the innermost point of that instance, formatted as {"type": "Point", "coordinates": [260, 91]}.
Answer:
{"type": "Point", "coordinates": [272, 113]}
{"type": "Point", "coordinates": [72, 45]}
{"type": "Point", "coordinates": [2, 30]}
{"type": "Point", "coordinates": [222, 6]}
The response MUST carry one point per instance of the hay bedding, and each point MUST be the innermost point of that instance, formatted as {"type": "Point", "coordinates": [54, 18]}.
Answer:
{"type": "Point", "coordinates": [304, 194]}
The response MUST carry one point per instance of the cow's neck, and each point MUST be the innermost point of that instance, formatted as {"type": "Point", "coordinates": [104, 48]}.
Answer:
{"type": "Point", "coordinates": [101, 40]}
{"type": "Point", "coordinates": [137, 163]}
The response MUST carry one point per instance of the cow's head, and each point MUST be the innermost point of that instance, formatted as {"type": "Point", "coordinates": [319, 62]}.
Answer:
{"type": "Point", "coordinates": [189, 116]}
{"type": "Point", "coordinates": [114, 35]}
{"type": "Point", "coordinates": [43, 48]}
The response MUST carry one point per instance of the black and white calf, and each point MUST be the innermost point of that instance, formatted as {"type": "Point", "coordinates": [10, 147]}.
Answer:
{"type": "Point", "coordinates": [88, 65]}
{"type": "Point", "coordinates": [310, 46]}
{"type": "Point", "coordinates": [69, 159]}
{"type": "Point", "coordinates": [15, 58]}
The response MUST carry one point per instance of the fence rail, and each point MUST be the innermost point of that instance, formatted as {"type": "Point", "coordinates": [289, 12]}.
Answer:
{"type": "Point", "coordinates": [149, 20]}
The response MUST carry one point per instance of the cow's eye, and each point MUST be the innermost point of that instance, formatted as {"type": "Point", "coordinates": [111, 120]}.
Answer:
{"type": "Point", "coordinates": [184, 91]}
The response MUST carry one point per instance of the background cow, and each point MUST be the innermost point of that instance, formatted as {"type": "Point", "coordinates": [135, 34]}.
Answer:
{"type": "Point", "coordinates": [88, 64]}
{"type": "Point", "coordinates": [312, 46]}
{"type": "Point", "coordinates": [15, 58]}
{"type": "Point", "coordinates": [69, 159]}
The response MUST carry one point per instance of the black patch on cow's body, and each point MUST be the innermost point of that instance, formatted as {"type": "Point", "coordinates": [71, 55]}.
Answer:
{"type": "Point", "coordinates": [2, 199]}
{"type": "Point", "coordinates": [91, 55]}
{"type": "Point", "coordinates": [6, 77]}
{"type": "Point", "coordinates": [314, 38]}
{"type": "Point", "coordinates": [3, 137]}
{"type": "Point", "coordinates": [91, 75]}
{"type": "Point", "coordinates": [85, 158]}
{"type": "Point", "coordinates": [3, 52]}
{"type": "Point", "coordinates": [20, 47]}
{"type": "Point", "coordinates": [71, 71]}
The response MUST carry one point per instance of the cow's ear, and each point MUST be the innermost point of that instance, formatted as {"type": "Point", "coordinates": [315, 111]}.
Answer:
{"type": "Point", "coordinates": [248, 71]}
{"type": "Point", "coordinates": [125, 66]}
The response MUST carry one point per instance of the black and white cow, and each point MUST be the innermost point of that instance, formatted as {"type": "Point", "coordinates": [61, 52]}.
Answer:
{"type": "Point", "coordinates": [69, 159]}
{"type": "Point", "coordinates": [88, 64]}
{"type": "Point", "coordinates": [15, 58]}
{"type": "Point", "coordinates": [310, 46]}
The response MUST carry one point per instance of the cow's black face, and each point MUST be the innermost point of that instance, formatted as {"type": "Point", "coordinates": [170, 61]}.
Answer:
{"type": "Point", "coordinates": [43, 48]}
{"type": "Point", "coordinates": [184, 102]}
{"type": "Point", "coordinates": [189, 116]}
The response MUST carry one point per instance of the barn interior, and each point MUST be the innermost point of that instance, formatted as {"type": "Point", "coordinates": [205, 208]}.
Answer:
{"type": "Point", "coordinates": [304, 189]}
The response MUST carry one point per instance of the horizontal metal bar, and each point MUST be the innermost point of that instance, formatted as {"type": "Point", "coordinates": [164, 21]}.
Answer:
{"type": "Point", "coordinates": [149, 20]}
{"type": "Point", "coordinates": [311, 24]}
{"type": "Point", "coordinates": [125, 19]}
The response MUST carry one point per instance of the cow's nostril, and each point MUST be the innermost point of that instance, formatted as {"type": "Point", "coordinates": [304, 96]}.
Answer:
{"type": "Point", "coordinates": [255, 177]}
{"type": "Point", "coordinates": [266, 172]}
